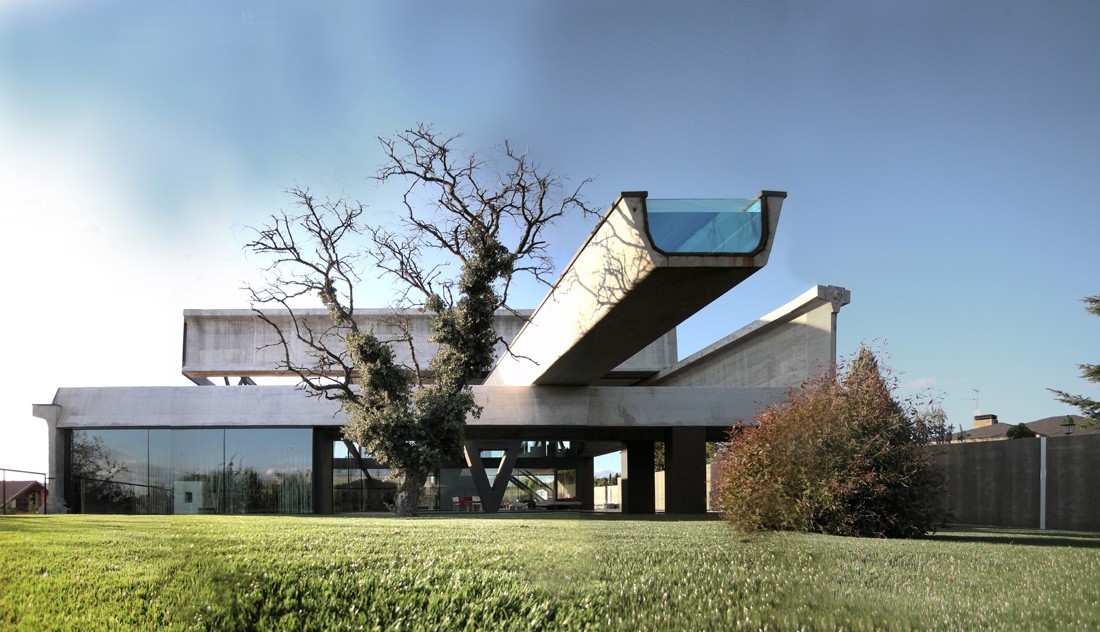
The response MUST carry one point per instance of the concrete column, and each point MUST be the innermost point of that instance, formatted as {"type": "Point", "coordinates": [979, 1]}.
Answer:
{"type": "Point", "coordinates": [686, 471]}
{"type": "Point", "coordinates": [322, 470]}
{"type": "Point", "coordinates": [58, 482]}
{"type": "Point", "coordinates": [586, 493]}
{"type": "Point", "coordinates": [638, 486]}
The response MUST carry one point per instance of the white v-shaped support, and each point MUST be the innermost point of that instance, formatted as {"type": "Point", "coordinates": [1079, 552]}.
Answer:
{"type": "Point", "coordinates": [491, 496]}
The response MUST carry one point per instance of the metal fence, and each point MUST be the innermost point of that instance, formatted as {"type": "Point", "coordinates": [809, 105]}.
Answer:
{"type": "Point", "coordinates": [96, 495]}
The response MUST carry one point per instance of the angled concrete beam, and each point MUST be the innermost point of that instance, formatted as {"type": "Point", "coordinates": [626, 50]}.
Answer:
{"type": "Point", "coordinates": [491, 495]}
{"type": "Point", "coordinates": [641, 272]}
{"type": "Point", "coordinates": [781, 349]}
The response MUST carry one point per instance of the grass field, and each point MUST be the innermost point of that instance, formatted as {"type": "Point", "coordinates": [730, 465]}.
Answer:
{"type": "Point", "coordinates": [539, 573]}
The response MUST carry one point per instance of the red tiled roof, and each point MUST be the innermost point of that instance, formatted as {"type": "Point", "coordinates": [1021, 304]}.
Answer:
{"type": "Point", "coordinates": [15, 488]}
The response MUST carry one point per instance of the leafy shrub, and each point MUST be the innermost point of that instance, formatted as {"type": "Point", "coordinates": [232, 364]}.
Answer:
{"type": "Point", "coordinates": [1020, 431]}
{"type": "Point", "coordinates": [840, 456]}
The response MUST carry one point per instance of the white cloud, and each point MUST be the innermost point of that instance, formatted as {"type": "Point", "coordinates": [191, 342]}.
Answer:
{"type": "Point", "coordinates": [921, 383]}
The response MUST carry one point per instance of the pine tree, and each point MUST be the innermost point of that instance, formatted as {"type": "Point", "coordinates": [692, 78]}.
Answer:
{"type": "Point", "coordinates": [1089, 407]}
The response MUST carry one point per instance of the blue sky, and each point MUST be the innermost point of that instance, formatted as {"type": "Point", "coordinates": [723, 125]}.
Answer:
{"type": "Point", "coordinates": [942, 163]}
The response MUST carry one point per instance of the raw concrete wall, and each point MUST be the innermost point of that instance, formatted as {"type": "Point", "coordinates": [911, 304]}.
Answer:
{"type": "Point", "coordinates": [794, 343]}
{"type": "Point", "coordinates": [1073, 490]}
{"type": "Point", "coordinates": [606, 496]}
{"type": "Point", "coordinates": [1000, 483]}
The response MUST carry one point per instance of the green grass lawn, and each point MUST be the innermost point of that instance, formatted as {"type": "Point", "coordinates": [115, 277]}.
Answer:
{"type": "Point", "coordinates": [528, 572]}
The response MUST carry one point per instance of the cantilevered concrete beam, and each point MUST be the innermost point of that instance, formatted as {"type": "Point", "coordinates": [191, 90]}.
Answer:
{"type": "Point", "coordinates": [235, 342]}
{"type": "Point", "coordinates": [645, 268]}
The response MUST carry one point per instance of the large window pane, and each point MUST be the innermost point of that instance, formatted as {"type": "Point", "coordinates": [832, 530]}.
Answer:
{"type": "Point", "coordinates": [161, 475]}
{"type": "Point", "coordinates": [110, 470]}
{"type": "Point", "coordinates": [269, 470]}
{"type": "Point", "coordinates": [197, 460]}
{"type": "Point", "coordinates": [201, 470]}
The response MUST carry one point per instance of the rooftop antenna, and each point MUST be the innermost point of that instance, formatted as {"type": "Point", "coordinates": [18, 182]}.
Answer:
{"type": "Point", "coordinates": [977, 394]}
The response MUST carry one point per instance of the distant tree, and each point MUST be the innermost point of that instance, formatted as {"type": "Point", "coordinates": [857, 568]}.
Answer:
{"type": "Point", "coordinates": [1020, 431]}
{"type": "Point", "coordinates": [1089, 407]}
{"type": "Point", "coordinates": [659, 454]}
{"type": "Point", "coordinates": [489, 225]}
{"type": "Point", "coordinates": [934, 420]}
{"type": "Point", "coordinates": [606, 481]}
{"type": "Point", "coordinates": [840, 456]}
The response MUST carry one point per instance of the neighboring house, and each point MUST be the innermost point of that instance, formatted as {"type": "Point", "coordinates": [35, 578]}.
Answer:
{"type": "Point", "coordinates": [24, 496]}
{"type": "Point", "coordinates": [593, 370]}
{"type": "Point", "coordinates": [989, 428]}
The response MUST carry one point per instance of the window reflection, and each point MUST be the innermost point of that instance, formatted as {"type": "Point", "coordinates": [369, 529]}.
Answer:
{"type": "Point", "coordinates": [269, 471]}
{"type": "Point", "coordinates": [193, 470]}
{"type": "Point", "coordinates": [197, 456]}
{"type": "Point", "coordinates": [359, 483]}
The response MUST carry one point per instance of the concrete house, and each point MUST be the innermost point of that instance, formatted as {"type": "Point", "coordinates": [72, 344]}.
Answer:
{"type": "Point", "coordinates": [593, 369]}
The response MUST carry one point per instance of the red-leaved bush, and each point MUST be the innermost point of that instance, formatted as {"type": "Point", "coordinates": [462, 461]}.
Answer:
{"type": "Point", "coordinates": [840, 456]}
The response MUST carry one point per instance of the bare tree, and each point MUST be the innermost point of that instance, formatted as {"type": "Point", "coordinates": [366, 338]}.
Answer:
{"type": "Point", "coordinates": [459, 215]}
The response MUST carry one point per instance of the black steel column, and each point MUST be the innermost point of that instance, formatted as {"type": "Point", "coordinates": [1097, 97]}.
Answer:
{"type": "Point", "coordinates": [638, 488]}
{"type": "Point", "coordinates": [686, 471]}
{"type": "Point", "coordinates": [322, 469]}
{"type": "Point", "coordinates": [586, 473]}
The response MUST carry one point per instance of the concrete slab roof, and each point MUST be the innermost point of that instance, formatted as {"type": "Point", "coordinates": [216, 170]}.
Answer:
{"type": "Point", "coordinates": [573, 410]}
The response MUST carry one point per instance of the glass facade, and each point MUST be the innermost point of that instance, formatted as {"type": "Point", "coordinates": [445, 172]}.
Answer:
{"type": "Point", "coordinates": [271, 470]}
{"type": "Point", "coordinates": [727, 226]}
{"type": "Point", "coordinates": [356, 485]}
{"type": "Point", "coordinates": [193, 470]}
{"type": "Point", "coordinates": [359, 483]}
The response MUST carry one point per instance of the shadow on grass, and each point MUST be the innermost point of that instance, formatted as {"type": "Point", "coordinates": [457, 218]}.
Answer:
{"type": "Point", "coordinates": [1075, 539]}
{"type": "Point", "coordinates": [535, 515]}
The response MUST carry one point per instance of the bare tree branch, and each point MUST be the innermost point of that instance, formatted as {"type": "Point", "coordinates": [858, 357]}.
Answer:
{"type": "Point", "coordinates": [484, 219]}
{"type": "Point", "coordinates": [513, 206]}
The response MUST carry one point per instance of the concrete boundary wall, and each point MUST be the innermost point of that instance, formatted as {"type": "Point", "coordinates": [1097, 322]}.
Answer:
{"type": "Point", "coordinates": [1010, 483]}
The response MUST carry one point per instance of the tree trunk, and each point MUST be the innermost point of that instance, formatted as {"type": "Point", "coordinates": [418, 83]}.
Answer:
{"type": "Point", "coordinates": [407, 502]}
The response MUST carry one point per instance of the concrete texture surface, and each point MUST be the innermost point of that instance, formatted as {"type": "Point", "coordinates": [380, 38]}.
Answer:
{"type": "Point", "coordinates": [617, 295]}
{"type": "Point", "coordinates": [1000, 483]}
